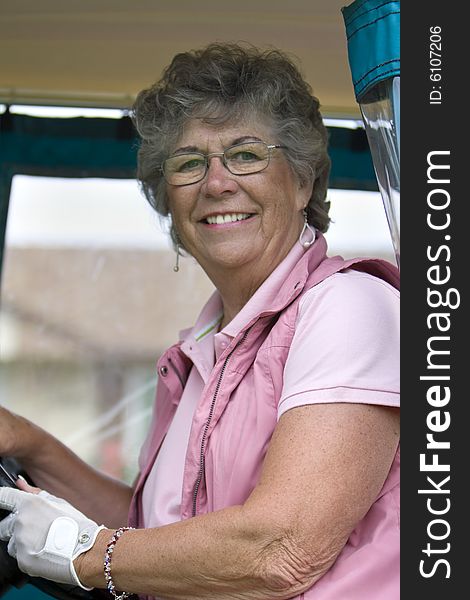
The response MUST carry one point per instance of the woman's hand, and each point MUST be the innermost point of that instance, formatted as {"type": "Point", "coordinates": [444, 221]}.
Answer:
{"type": "Point", "coordinates": [53, 466]}
{"type": "Point", "coordinates": [45, 534]}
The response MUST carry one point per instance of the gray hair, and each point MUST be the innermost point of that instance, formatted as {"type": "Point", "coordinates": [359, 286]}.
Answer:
{"type": "Point", "coordinates": [224, 82]}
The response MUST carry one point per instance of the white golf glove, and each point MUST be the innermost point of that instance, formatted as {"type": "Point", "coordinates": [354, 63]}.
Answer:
{"type": "Point", "coordinates": [45, 534]}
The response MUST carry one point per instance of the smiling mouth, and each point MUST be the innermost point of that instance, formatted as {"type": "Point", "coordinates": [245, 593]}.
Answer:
{"type": "Point", "coordinates": [227, 218]}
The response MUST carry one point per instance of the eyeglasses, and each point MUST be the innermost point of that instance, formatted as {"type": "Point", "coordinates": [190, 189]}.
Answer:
{"type": "Point", "coordinates": [241, 159]}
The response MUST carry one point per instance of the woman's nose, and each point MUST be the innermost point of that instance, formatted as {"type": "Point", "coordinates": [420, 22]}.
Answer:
{"type": "Point", "coordinates": [218, 180]}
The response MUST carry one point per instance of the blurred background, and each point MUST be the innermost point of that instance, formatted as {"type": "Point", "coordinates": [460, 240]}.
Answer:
{"type": "Point", "coordinates": [89, 299]}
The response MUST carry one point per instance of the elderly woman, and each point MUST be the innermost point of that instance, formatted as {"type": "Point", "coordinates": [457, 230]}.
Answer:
{"type": "Point", "coordinates": [271, 465]}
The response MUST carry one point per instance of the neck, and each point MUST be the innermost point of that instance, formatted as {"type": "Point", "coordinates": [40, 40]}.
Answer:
{"type": "Point", "coordinates": [236, 285]}
{"type": "Point", "coordinates": [235, 297]}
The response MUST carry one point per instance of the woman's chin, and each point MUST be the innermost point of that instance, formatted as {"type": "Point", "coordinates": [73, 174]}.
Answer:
{"type": "Point", "coordinates": [230, 257]}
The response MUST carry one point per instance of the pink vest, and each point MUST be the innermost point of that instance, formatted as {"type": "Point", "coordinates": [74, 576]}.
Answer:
{"type": "Point", "coordinates": [237, 414]}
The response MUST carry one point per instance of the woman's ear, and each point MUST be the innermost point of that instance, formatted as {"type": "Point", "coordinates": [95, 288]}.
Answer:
{"type": "Point", "coordinates": [306, 191]}
{"type": "Point", "coordinates": [309, 181]}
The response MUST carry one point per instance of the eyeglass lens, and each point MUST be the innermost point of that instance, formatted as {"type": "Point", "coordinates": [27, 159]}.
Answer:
{"type": "Point", "coordinates": [241, 159]}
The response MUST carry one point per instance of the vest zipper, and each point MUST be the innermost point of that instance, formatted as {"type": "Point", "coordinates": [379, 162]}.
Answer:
{"type": "Point", "coordinates": [202, 459]}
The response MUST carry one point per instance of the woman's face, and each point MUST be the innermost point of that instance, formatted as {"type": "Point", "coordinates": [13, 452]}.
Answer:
{"type": "Point", "coordinates": [271, 203]}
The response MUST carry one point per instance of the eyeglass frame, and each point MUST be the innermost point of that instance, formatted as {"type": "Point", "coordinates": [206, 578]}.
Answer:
{"type": "Point", "coordinates": [208, 156]}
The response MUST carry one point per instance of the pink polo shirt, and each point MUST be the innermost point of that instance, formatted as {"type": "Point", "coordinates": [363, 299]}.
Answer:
{"type": "Point", "coordinates": [368, 335]}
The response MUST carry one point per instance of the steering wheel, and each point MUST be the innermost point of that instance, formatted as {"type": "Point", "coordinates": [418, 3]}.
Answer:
{"type": "Point", "coordinates": [10, 575]}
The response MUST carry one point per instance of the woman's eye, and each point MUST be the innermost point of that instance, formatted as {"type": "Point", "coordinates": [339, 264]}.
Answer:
{"type": "Point", "coordinates": [188, 165]}
{"type": "Point", "coordinates": [244, 156]}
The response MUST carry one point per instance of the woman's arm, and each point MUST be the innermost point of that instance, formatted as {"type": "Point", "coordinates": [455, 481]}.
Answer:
{"type": "Point", "coordinates": [54, 467]}
{"type": "Point", "coordinates": [324, 468]}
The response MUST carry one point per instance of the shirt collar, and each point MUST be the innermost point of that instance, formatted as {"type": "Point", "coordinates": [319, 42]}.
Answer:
{"type": "Point", "coordinates": [205, 330]}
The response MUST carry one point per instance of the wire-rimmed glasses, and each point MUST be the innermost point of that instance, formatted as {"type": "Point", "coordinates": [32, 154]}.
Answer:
{"type": "Point", "coordinates": [240, 159]}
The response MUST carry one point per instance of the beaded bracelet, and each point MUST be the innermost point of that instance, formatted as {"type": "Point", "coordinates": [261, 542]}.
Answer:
{"type": "Point", "coordinates": [107, 564]}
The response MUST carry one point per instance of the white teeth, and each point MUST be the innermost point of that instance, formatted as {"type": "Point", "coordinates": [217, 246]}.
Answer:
{"type": "Point", "coordinates": [229, 218]}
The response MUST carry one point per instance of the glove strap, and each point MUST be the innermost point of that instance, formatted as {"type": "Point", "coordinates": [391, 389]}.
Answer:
{"type": "Point", "coordinates": [107, 564]}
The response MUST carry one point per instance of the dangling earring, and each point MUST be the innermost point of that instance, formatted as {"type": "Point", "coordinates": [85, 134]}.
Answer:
{"type": "Point", "coordinates": [176, 268]}
{"type": "Point", "coordinates": [309, 230]}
